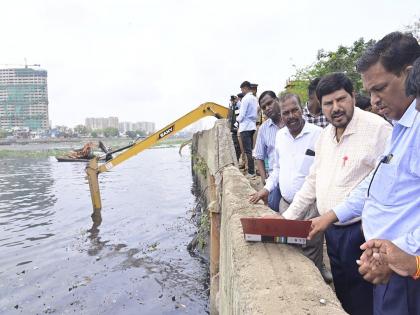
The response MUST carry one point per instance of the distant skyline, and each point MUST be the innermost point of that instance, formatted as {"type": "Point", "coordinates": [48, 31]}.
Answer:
{"type": "Point", "coordinates": [157, 60]}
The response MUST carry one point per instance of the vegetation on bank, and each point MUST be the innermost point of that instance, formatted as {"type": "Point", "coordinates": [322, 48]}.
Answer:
{"type": "Point", "coordinates": [19, 151]}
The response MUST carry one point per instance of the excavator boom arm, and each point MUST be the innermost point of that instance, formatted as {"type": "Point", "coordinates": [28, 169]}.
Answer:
{"type": "Point", "coordinates": [93, 169]}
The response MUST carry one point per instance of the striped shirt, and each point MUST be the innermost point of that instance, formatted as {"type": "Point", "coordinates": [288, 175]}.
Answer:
{"type": "Point", "coordinates": [264, 146]}
{"type": "Point", "coordinates": [319, 120]}
{"type": "Point", "coordinates": [341, 166]}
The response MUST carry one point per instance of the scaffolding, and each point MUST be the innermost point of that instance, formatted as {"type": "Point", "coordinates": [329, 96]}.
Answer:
{"type": "Point", "coordinates": [23, 99]}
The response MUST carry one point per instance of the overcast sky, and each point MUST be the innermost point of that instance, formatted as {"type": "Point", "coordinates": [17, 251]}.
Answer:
{"type": "Point", "coordinates": [156, 60]}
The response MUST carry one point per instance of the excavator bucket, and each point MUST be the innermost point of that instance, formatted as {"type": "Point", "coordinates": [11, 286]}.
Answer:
{"type": "Point", "coordinates": [92, 176]}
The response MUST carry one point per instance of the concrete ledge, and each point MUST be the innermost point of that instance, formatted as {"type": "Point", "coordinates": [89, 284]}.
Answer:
{"type": "Point", "coordinates": [250, 278]}
{"type": "Point", "coordinates": [262, 278]}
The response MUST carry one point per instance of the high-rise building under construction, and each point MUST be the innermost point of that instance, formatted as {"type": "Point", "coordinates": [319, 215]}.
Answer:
{"type": "Point", "coordinates": [23, 98]}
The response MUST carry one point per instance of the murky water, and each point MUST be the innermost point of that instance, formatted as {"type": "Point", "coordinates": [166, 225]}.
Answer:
{"type": "Point", "coordinates": [129, 259]}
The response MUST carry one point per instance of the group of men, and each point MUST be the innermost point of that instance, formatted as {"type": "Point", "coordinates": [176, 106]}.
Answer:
{"type": "Point", "coordinates": [355, 174]}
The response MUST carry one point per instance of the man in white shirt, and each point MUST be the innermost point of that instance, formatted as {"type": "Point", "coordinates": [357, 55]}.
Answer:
{"type": "Point", "coordinates": [346, 152]}
{"type": "Point", "coordinates": [247, 123]}
{"type": "Point", "coordinates": [294, 153]}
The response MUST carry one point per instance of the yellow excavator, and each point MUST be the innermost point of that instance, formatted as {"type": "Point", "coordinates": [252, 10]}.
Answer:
{"type": "Point", "coordinates": [93, 169]}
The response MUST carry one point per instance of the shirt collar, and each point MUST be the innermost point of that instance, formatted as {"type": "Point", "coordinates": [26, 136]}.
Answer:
{"type": "Point", "coordinates": [307, 112]}
{"type": "Point", "coordinates": [270, 123]}
{"type": "Point", "coordinates": [352, 125]}
{"type": "Point", "coordinates": [304, 130]}
{"type": "Point", "coordinates": [407, 120]}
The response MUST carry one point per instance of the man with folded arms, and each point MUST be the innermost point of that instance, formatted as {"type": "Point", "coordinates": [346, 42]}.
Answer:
{"type": "Point", "coordinates": [345, 153]}
{"type": "Point", "coordinates": [389, 198]}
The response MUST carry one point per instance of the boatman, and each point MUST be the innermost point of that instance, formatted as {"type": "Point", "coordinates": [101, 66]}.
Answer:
{"type": "Point", "coordinates": [389, 198]}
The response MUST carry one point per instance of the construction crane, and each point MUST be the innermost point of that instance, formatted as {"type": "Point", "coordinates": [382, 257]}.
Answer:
{"type": "Point", "coordinates": [20, 65]}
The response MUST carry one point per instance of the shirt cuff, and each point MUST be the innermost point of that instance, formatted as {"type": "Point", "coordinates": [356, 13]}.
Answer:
{"type": "Point", "coordinates": [408, 244]}
{"type": "Point", "coordinates": [289, 215]}
{"type": "Point", "coordinates": [343, 213]}
{"type": "Point", "coordinates": [269, 185]}
{"type": "Point", "coordinates": [258, 156]}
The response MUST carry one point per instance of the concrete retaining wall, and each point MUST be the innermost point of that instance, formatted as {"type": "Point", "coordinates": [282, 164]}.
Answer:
{"type": "Point", "coordinates": [251, 278]}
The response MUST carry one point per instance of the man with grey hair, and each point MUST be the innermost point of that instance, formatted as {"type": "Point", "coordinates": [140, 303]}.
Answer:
{"type": "Point", "coordinates": [294, 153]}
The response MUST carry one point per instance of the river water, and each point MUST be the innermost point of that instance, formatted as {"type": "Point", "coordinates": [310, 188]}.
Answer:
{"type": "Point", "coordinates": [130, 258]}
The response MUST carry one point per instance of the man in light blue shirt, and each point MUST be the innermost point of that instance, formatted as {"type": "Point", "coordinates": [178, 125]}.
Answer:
{"type": "Point", "coordinates": [266, 138]}
{"type": "Point", "coordinates": [247, 123]}
{"type": "Point", "coordinates": [389, 198]}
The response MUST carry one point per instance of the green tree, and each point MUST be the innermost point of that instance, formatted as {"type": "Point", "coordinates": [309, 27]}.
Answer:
{"type": "Point", "coordinates": [3, 133]}
{"type": "Point", "coordinates": [414, 29]}
{"type": "Point", "coordinates": [341, 60]}
{"type": "Point", "coordinates": [81, 130]}
{"type": "Point", "coordinates": [94, 134]}
{"type": "Point", "coordinates": [110, 132]}
{"type": "Point", "coordinates": [131, 134]}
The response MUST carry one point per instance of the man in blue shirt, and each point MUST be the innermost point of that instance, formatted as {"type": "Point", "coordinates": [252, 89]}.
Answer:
{"type": "Point", "coordinates": [389, 198]}
{"type": "Point", "coordinates": [266, 138]}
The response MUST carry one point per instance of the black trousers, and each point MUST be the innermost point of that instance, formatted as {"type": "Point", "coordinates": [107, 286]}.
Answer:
{"type": "Point", "coordinates": [236, 143]}
{"type": "Point", "coordinates": [401, 295]}
{"type": "Point", "coordinates": [247, 141]}
{"type": "Point", "coordinates": [343, 247]}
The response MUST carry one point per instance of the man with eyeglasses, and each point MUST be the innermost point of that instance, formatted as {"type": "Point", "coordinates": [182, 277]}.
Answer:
{"type": "Point", "coordinates": [389, 198]}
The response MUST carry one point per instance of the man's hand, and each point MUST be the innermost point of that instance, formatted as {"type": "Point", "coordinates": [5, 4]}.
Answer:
{"type": "Point", "coordinates": [384, 252]}
{"type": "Point", "coordinates": [262, 194]}
{"type": "Point", "coordinates": [373, 270]}
{"type": "Point", "coordinates": [320, 224]}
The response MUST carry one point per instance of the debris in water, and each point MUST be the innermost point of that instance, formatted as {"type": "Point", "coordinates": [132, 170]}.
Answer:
{"type": "Point", "coordinates": [178, 305]}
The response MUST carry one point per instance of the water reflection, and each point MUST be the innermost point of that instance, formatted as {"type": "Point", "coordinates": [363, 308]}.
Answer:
{"type": "Point", "coordinates": [129, 258]}
{"type": "Point", "coordinates": [26, 201]}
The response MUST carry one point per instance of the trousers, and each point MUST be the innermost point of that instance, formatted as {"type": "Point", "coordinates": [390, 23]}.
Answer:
{"type": "Point", "coordinates": [343, 248]}
{"type": "Point", "coordinates": [313, 248]}
{"type": "Point", "coordinates": [401, 295]}
{"type": "Point", "coordinates": [247, 141]}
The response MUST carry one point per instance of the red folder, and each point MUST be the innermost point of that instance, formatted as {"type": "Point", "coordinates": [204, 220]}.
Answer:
{"type": "Point", "coordinates": [271, 226]}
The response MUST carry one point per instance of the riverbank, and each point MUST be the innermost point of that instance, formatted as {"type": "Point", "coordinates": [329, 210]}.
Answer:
{"type": "Point", "coordinates": [45, 149]}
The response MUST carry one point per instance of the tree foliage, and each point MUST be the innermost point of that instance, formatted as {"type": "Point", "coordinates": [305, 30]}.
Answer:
{"type": "Point", "coordinates": [135, 134]}
{"type": "Point", "coordinates": [341, 60]}
{"type": "Point", "coordinates": [110, 132]}
{"type": "Point", "coordinates": [81, 130]}
{"type": "Point", "coordinates": [414, 29]}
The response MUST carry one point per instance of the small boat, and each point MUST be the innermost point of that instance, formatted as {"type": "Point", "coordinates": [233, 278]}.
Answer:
{"type": "Point", "coordinates": [64, 158]}
{"type": "Point", "coordinates": [84, 154]}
